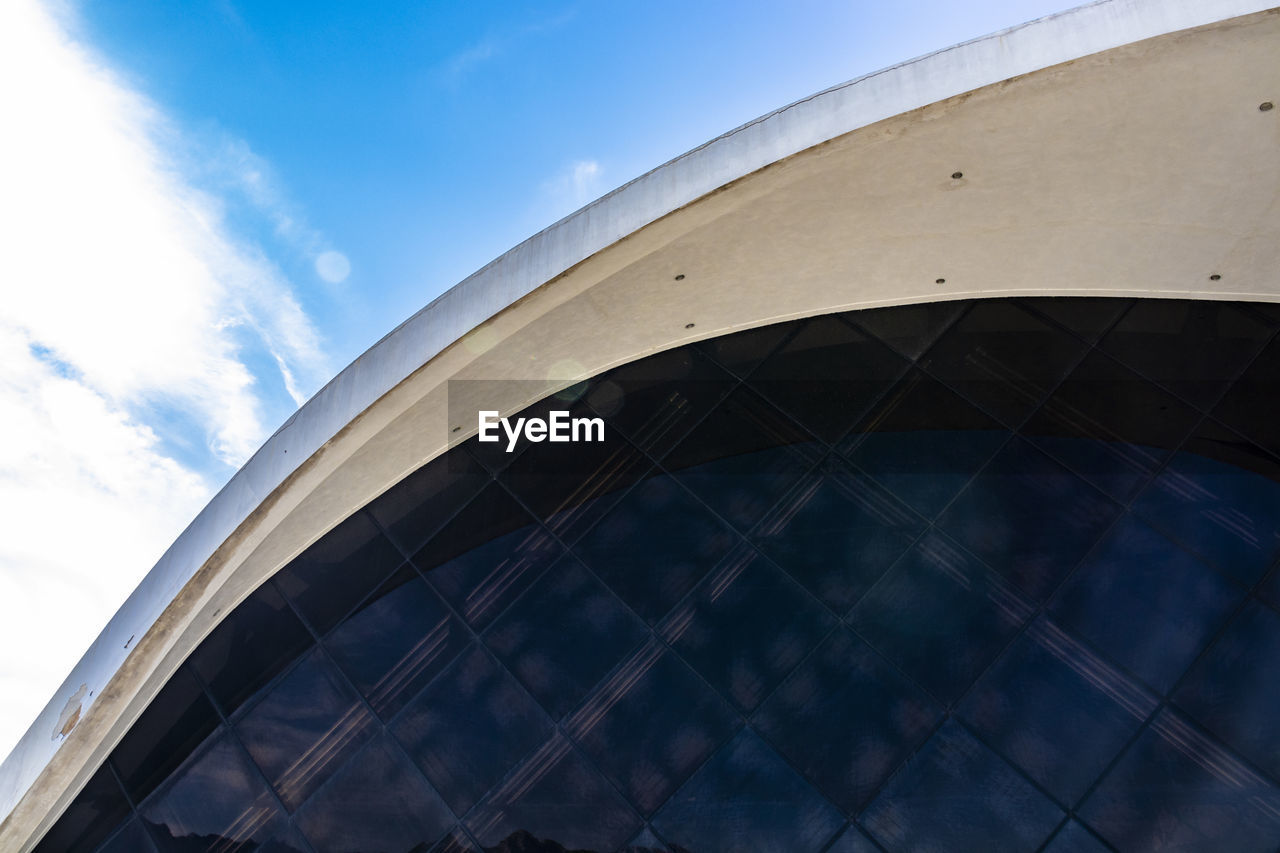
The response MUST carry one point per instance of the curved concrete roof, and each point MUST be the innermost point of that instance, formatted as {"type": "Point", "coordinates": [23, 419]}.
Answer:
{"type": "Point", "coordinates": [1116, 149]}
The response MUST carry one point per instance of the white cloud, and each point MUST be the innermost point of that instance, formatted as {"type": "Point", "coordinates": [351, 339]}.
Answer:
{"type": "Point", "coordinates": [88, 505]}
{"type": "Point", "coordinates": [123, 298]}
{"type": "Point", "coordinates": [574, 186]}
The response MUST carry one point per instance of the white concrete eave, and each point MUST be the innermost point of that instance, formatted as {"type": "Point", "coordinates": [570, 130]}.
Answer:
{"type": "Point", "coordinates": [1115, 149]}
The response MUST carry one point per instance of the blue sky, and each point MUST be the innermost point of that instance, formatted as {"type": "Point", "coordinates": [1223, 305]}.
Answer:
{"type": "Point", "coordinates": [214, 205]}
{"type": "Point", "coordinates": [425, 139]}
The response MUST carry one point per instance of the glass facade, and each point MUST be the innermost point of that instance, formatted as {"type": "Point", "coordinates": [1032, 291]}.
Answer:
{"type": "Point", "coordinates": [992, 575]}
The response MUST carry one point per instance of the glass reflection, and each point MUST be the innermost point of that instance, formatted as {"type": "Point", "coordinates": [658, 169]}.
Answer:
{"type": "Point", "coordinates": [976, 575]}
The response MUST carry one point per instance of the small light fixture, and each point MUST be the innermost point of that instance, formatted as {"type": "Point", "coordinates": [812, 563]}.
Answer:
{"type": "Point", "coordinates": [1214, 277]}
{"type": "Point", "coordinates": [457, 429]}
{"type": "Point", "coordinates": [940, 281]}
{"type": "Point", "coordinates": [1266, 106]}
{"type": "Point", "coordinates": [680, 277]}
{"type": "Point", "coordinates": [955, 176]}
{"type": "Point", "coordinates": [688, 325]}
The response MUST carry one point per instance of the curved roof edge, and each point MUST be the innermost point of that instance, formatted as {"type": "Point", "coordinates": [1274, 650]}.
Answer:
{"type": "Point", "coordinates": [807, 123]}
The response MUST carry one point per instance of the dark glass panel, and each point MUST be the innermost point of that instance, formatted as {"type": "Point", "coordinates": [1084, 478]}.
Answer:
{"type": "Point", "coordinates": [570, 485]}
{"type": "Point", "coordinates": [846, 719]}
{"type": "Point", "coordinates": [651, 573]}
{"type": "Point", "coordinates": [97, 811]}
{"type": "Point", "coordinates": [378, 803]}
{"type": "Point", "coordinates": [491, 456]}
{"type": "Point", "coordinates": [333, 575]}
{"type": "Point", "coordinates": [657, 400]}
{"type": "Point", "coordinates": [909, 329]}
{"type": "Point", "coordinates": [217, 801]}
{"type": "Point", "coordinates": [132, 838]}
{"type": "Point", "coordinates": [469, 727]}
{"type": "Point", "coordinates": [1176, 789]}
{"type": "Point", "coordinates": [650, 725]}
{"type": "Point", "coordinates": [1088, 317]}
{"type": "Point", "coordinates": [743, 423]}
{"type": "Point", "coordinates": [746, 798]}
{"type": "Point", "coordinates": [1003, 358]}
{"type": "Point", "coordinates": [941, 616]}
{"type": "Point", "coordinates": [563, 635]}
{"type": "Point", "coordinates": [647, 842]}
{"type": "Point", "coordinates": [1193, 348]}
{"type": "Point", "coordinates": [837, 532]}
{"type": "Point", "coordinates": [486, 556]}
{"type": "Point", "coordinates": [304, 728]}
{"type": "Point", "coordinates": [1075, 838]}
{"type": "Point", "coordinates": [1029, 518]}
{"type": "Point", "coordinates": [492, 514]}
{"type": "Point", "coordinates": [923, 442]}
{"type": "Point", "coordinates": [276, 834]}
{"type": "Point", "coordinates": [1145, 602]}
{"type": "Point", "coordinates": [417, 506]}
{"type": "Point", "coordinates": [1050, 708]}
{"type": "Point", "coordinates": [1270, 589]}
{"type": "Point", "coordinates": [746, 626]}
{"type": "Point", "coordinates": [176, 722]}
{"type": "Point", "coordinates": [289, 840]}
{"type": "Point", "coordinates": [1266, 311]}
{"type": "Point", "coordinates": [852, 840]}
{"type": "Point", "coordinates": [1056, 710]}
{"type": "Point", "coordinates": [255, 642]}
{"type": "Point", "coordinates": [827, 375]}
{"type": "Point", "coordinates": [557, 796]}
{"type": "Point", "coordinates": [1252, 405]}
{"type": "Point", "coordinates": [740, 352]}
{"type": "Point", "coordinates": [956, 794]}
{"type": "Point", "coordinates": [457, 841]}
{"type": "Point", "coordinates": [397, 641]}
{"type": "Point", "coordinates": [1111, 425]}
{"type": "Point", "coordinates": [742, 457]}
{"type": "Point", "coordinates": [1219, 497]}
{"type": "Point", "coordinates": [1234, 690]}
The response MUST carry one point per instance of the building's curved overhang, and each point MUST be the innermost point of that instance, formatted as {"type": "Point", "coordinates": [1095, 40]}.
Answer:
{"type": "Point", "coordinates": [1117, 149]}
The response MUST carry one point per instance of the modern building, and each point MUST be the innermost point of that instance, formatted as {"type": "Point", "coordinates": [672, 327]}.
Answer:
{"type": "Point", "coordinates": [937, 506]}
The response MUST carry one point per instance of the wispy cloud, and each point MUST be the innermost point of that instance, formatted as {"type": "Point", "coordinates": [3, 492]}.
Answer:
{"type": "Point", "coordinates": [462, 62]}
{"type": "Point", "coordinates": [573, 186]}
{"type": "Point", "coordinates": [127, 304]}
{"type": "Point", "coordinates": [228, 169]}
{"type": "Point", "coordinates": [584, 178]}
{"type": "Point", "coordinates": [496, 44]}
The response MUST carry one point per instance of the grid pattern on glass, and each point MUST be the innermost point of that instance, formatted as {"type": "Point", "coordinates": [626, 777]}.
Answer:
{"type": "Point", "coordinates": [1001, 573]}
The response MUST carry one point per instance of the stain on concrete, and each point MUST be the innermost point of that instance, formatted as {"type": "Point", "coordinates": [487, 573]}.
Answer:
{"type": "Point", "coordinates": [70, 713]}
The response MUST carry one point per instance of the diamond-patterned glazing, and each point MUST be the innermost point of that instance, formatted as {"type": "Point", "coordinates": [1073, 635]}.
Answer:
{"type": "Point", "coordinates": [996, 575]}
